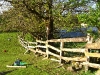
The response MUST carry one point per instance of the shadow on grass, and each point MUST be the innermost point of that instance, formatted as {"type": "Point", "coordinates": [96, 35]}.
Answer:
{"type": "Point", "coordinates": [6, 72]}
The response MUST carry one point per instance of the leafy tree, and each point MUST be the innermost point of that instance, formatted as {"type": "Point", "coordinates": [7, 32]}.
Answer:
{"type": "Point", "coordinates": [41, 17]}
{"type": "Point", "coordinates": [92, 18]}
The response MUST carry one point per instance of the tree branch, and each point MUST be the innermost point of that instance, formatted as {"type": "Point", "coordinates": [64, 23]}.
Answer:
{"type": "Point", "coordinates": [34, 11]}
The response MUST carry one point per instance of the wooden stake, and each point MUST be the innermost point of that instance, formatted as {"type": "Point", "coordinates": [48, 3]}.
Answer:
{"type": "Point", "coordinates": [16, 66]}
{"type": "Point", "coordinates": [61, 53]}
{"type": "Point", "coordinates": [47, 50]}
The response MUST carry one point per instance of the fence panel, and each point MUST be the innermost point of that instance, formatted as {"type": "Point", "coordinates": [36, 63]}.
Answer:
{"type": "Point", "coordinates": [39, 46]}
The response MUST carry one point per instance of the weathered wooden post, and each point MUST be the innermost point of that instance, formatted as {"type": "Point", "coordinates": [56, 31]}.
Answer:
{"type": "Point", "coordinates": [37, 48]}
{"type": "Point", "coordinates": [47, 49]}
{"type": "Point", "coordinates": [61, 52]}
{"type": "Point", "coordinates": [26, 44]}
{"type": "Point", "coordinates": [89, 40]}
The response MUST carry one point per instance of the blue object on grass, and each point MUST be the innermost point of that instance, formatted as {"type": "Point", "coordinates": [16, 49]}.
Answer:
{"type": "Point", "coordinates": [19, 63]}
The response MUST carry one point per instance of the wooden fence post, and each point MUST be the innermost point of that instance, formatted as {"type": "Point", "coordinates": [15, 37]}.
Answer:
{"type": "Point", "coordinates": [89, 40]}
{"type": "Point", "coordinates": [87, 61]}
{"type": "Point", "coordinates": [61, 52]}
{"type": "Point", "coordinates": [36, 46]}
{"type": "Point", "coordinates": [47, 50]}
{"type": "Point", "coordinates": [27, 49]}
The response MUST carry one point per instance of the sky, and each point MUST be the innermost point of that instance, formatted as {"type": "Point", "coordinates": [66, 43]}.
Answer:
{"type": "Point", "coordinates": [4, 6]}
{"type": "Point", "coordinates": [92, 4]}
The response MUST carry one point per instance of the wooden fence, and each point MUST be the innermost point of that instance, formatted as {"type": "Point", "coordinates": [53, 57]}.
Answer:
{"type": "Point", "coordinates": [44, 47]}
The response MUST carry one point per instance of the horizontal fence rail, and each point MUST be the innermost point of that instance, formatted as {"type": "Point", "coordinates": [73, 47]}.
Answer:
{"type": "Point", "coordinates": [73, 50]}
{"type": "Point", "coordinates": [81, 39]}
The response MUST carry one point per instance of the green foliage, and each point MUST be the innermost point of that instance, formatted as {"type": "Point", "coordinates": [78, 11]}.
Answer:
{"type": "Point", "coordinates": [28, 37]}
{"type": "Point", "coordinates": [91, 18]}
{"type": "Point", "coordinates": [67, 22]}
{"type": "Point", "coordinates": [34, 15]}
{"type": "Point", "coordinates": [87, 73]}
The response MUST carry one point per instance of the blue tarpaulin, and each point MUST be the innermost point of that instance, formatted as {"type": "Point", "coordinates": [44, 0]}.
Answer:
{"type": "Point", "coordinates": [82, 32]}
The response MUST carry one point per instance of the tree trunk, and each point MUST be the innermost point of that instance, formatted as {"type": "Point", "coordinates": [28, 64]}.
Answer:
{"type": "Point", "coordinates": [50, 26]}
{"type": "Point", "coordinates": [50, 30]}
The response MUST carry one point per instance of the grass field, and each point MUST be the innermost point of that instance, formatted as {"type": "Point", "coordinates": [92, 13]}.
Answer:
{"type": "Point", "coordinates": [10, 50]}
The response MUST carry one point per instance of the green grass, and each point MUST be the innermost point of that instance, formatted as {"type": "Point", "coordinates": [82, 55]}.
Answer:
{"type": "Point", "coordinates": [37, 66]}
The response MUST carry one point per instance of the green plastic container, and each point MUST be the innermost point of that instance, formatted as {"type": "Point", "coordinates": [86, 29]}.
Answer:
{"type": "Point", "coordinates": [23, 63]}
